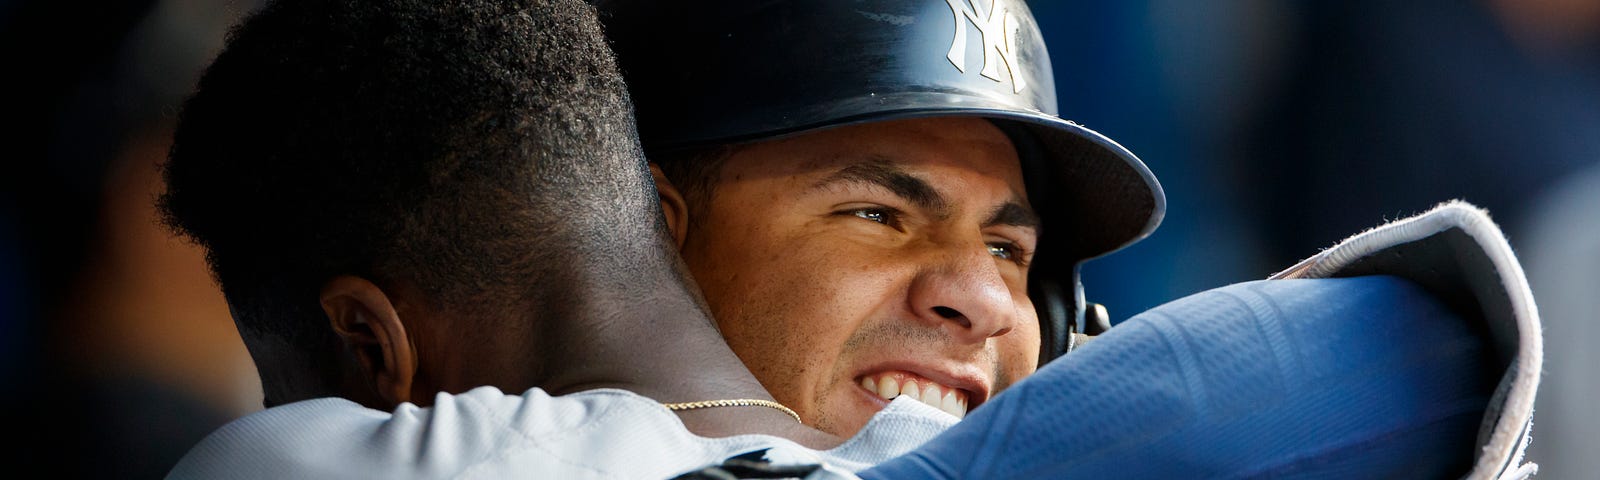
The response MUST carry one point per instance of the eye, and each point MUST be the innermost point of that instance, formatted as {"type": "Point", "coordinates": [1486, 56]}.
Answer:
{"type": "Point", "coordinates": [878, 215]}
{"type": "Point", "coordinates": [1002, 251]}
{"type": "Point", "coordinates": [1009, 252]}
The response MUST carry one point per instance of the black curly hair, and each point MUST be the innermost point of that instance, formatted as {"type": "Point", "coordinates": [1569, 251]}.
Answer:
{"type": "Point", "coordinates": [467, 148]}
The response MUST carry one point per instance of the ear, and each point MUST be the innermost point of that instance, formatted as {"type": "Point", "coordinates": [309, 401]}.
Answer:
{"type": "Point", "coordinates": [672, 205]}
{"type": "Point", "coordinates": [363, 316]}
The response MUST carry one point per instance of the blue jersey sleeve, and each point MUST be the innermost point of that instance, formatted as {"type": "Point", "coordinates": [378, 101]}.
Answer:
{"type": "Point", "coordinates": [1365, 377]}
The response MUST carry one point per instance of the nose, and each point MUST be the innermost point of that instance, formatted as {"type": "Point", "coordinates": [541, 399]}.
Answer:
{"type": "Point", "coordinates": [962, 291]}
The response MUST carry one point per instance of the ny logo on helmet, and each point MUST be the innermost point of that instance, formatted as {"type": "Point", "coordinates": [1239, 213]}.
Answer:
{"type": "Point", "coordinates": [999, 30]}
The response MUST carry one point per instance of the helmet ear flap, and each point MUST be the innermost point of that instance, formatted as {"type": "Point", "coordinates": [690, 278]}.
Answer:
{"type": "Point", "coordinates": [1054, 328]}
{"type": "Point", "coordinates": [1066, 325]}
{"type": "Point", "coordinates": [1061, 316]}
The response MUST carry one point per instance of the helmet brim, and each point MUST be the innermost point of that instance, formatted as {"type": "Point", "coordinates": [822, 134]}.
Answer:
{"type": "Point", "coordinates": [1094, 196]}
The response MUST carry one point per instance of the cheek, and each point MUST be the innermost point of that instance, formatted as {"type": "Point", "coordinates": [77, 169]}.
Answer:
{"type": "Point", "coordinates": [779, 272]}
{"type": "Point", "coordinates": [726, 260]}
{"type": "Point", "coordinates": [772, 295]}
{"type": "Point", "coordinates": [790, 323]}
{"type": "Point", "coordinates": [804, 306]}
{"type": "Point", "coordinates": [1019, 350]}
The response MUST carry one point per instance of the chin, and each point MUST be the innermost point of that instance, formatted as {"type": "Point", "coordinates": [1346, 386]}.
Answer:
{"type": "Point", "coordinates": [845, 418]}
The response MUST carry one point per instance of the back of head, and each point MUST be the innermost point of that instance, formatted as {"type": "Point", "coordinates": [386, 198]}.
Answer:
{"type": "Point", "coordinates": [465, 148]}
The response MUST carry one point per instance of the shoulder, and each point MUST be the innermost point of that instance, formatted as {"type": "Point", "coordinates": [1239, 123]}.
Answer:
{"type": "Point", "coordinates": [479, 431]}
{"type": "Point", "coordinates": [267, 443]}
{"type": "Point", "coordinates": [484, 433]}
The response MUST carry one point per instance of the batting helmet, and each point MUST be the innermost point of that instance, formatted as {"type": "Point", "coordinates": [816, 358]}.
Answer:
{"type": "Point", "coordinates": [722, 72]}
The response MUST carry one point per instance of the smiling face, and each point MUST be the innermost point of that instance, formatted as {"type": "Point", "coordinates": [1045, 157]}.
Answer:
{"type": "Point", "coordinates": [858, 263]}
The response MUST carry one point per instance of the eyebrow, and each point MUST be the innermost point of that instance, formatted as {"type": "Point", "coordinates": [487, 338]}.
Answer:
{"type": "Point", "coordinates": [882, 173]}
{"type": "Point", "coordinates": [1013, 214]}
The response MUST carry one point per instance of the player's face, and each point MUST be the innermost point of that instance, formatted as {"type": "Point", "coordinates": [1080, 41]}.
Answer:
{"type": "Point", "coordinates": [852, 265]}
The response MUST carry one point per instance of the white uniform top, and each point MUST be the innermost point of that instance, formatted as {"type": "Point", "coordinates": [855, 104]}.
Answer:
{"type": "Point", "coordinates": [484, 433]}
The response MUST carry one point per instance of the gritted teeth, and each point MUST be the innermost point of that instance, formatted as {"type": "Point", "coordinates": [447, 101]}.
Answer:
{"type": "Point", "coordinates": [889, 385]}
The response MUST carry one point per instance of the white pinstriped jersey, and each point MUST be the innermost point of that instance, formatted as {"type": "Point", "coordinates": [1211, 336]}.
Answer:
{"type": "Point", "coordinates": [484, 433]}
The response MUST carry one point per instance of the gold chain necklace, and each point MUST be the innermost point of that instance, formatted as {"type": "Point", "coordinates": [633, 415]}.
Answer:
{"type": "Point", "coordinates": [738, 402]}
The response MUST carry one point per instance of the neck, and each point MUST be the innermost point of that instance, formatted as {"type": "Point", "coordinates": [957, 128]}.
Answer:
{"type": "Point", "coordinates": [655, 338]}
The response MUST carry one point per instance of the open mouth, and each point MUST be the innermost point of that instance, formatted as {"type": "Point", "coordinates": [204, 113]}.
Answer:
{"type": "Point", "coordinates": [888, 385]}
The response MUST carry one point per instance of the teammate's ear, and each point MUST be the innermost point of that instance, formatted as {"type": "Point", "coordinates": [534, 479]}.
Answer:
{"type": "Point", "coordinates": [364, 318]}
{"type": "Point", "coordinates": [672, 205]}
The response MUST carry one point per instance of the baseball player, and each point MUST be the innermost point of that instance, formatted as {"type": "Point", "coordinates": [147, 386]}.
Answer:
{"type": "Point", "coordinates": [750, 110]}
{"type": "Point", "coordinates": [877, 198]}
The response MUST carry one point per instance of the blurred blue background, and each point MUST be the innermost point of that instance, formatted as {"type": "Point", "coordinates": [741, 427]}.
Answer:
{"type": "Point", "coordinates": [1280, 128]}
{"type": "Point", "coordinates": [1277, 129]}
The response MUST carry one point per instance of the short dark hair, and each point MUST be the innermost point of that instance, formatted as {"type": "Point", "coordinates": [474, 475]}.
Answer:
{"type": "Point", "coordinates": [459, 146]}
